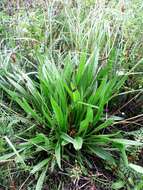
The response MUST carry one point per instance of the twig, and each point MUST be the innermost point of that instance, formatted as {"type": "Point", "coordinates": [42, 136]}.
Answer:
{"type": "Point", "coordinates": [24, 182]}
{"type": "Point", "coordinates": [126, 103]}
{"type": "Point", "coordinates": [5, 161]}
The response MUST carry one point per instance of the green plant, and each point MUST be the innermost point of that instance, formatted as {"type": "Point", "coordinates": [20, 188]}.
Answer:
{"type": "Point", "coordinates": [67, 104]}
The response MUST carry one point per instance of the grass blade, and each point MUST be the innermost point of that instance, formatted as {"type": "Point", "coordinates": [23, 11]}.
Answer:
{"type": "Point", "coordinates": [58, 154]}
{"type": "Point", "coordinates": [41, 179]}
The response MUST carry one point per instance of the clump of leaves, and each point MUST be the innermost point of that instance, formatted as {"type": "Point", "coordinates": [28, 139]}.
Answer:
{"type": "Point", "coordinates": [67, 104]}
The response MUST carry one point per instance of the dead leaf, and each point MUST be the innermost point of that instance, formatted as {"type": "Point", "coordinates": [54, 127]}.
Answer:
{"type": "Point", "coordinates": [13, 57]}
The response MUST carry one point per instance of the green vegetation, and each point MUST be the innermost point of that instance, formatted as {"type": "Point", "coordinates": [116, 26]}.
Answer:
{"type": "Point", "coordinates": [71, 95]}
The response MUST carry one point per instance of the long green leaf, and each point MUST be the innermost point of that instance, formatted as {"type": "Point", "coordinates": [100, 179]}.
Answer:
{"type": "Point", "coordinates": [40, 182]}
{"type": "Point", "coordinates": [58, 154]}
{"type": "Point", "coordinates": [100, 152]}
{"type": "Point", "coordinates": [81, 67]}
{"type": "Point", "coordinates": [107, 123]}
{"type": "Point", "coordinates": [27, 108]}
{"type": "Point", "coordinates": [39, 166]}
{"type": "Point", "coordinates": [137, 168]}
{"type": "Point", "coordinates": [15, 151]}
{"type": "Point", "coordinates": [85, 123]}
{"type": "Point", "coordinates": [58, 113]}
{"type": "Point", "coordinates": [127, 142]}
{"type": "Point", "coordinates": [67, 138]}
